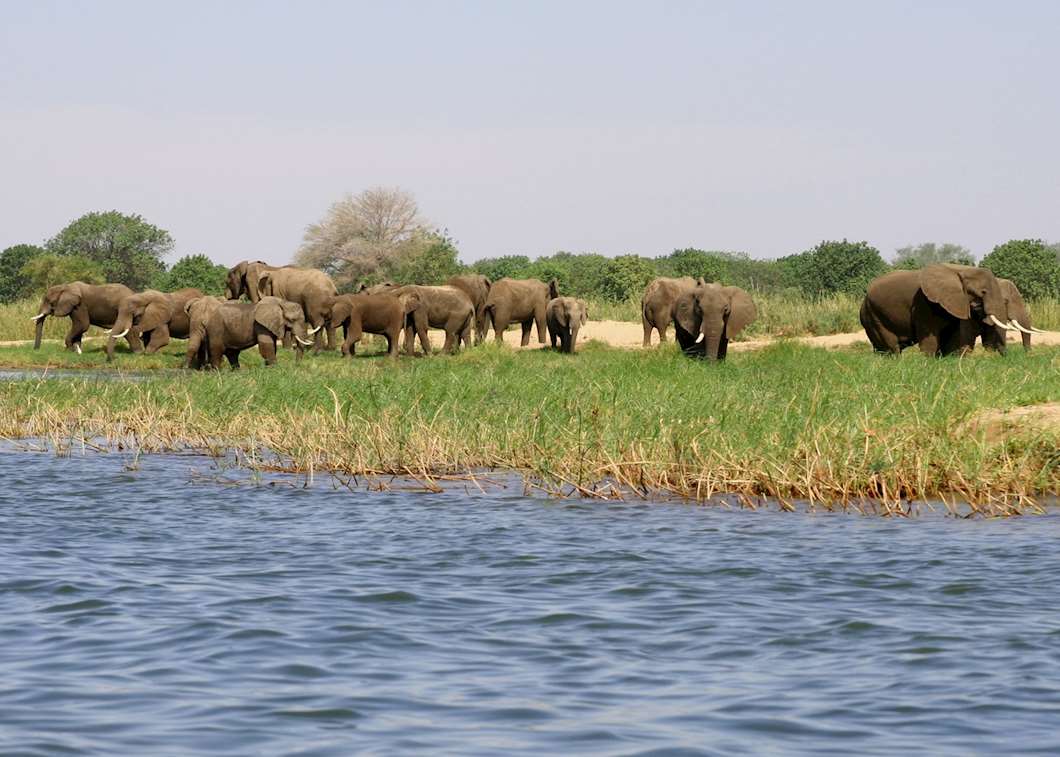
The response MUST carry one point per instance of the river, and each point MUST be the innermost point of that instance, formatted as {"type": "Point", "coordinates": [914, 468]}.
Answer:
{"type": "Point", "coordinates": [160, 606]}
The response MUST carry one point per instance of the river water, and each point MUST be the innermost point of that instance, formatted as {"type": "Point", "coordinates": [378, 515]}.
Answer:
{"type": "Point", "coordinates": [150, 609]}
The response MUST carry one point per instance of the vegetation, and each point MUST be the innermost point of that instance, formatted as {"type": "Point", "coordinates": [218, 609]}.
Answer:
{"type": "Point", "coordinates": [14, 283]}
{"type": "Point", "coordinates": [127, 248]}
{"type": "Point", "coordinates": [921, 255]}
{"type": "Point", "coordinates": [833, 428]}
{"type": "Point", "coordinates": [196, 272]}
{"type": "Point", "coordinates": [1031, 264]}
{"type": "Point", "coordinates": [43, 271]}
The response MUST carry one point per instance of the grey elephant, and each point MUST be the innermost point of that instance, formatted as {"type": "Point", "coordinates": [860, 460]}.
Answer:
{"type": "Point", "coordinates": [939, 308]}
{"type": "Point", "coordinates": [1016, 315]}
{"type": "Point", "coordinates": [440, 307]}
{"type": "Point", "coordinates": [382, 314]}
{"type": "Point", "coordinates": [309, 288]}
{"type": "Point", "coordinates": [657, 304]}
{"type": "Point", "coordinates": [235, 326]}
{"type": "Point", "coordinates": [155, 316]}
{"type": "Point", "coordinates": [243, 279]}
{"type": "Point", "coordinates": [714, 312]}
{"type": "Point", "coordinates": [198, 312]}
{"type": "Point", "coordinates": [85, 305]}
{"type": "Point", "coordinates": [477, 288]}
{"type": "Point", "coordinates": [565, 317]}
{"type": "Point", "coordinates": [522, 301]}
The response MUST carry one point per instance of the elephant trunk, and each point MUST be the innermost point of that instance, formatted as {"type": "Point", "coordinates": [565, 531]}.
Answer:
{"type": "Point", "coordinates": [39, 331]}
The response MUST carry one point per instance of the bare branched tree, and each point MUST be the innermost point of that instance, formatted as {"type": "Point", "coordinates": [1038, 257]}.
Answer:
{"type": "Point", "coordinates": [360, 233]}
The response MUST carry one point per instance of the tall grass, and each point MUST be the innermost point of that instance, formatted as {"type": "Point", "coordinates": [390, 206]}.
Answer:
{"type": "Point", "coordinates": [832, 428]}
{"type": "Point", "coordinates": [15, 323]}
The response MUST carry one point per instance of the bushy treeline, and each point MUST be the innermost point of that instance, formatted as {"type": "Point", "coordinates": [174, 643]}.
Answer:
{"type": "Point", "coordinates": [105, 247]}
{"type": "Point", "coordinates": [831, 267]}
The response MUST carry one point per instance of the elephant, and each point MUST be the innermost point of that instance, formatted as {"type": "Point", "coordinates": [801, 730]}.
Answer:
{"type": "Point", "coordinates": [308, 287]}
{"type": "Point", "coordinates": [1016, 314]}
{"type": "Point", "coordinates": [565, 316]}
{"type": "Point", "coordinates": [477, 288]}
{"type": "Point", "coordinates": [939, 308]}
{"type": "Point", "coordinates": [236, 326]}
{"type": "Point", "coordinates": [440, 307]}
{"type": "Point", "coordinates": [199, 312]}
{"type": "Point", "coordinates": [716, 312]}
{"type": "Point", "coordinates": [243, 279]}
{"type": "Point", "coordinates": [521, 301]}
{"type": "Point", "coordinates": [657, 305]}
{"type": "Point", "coordinates": [155, 316]}
{"type": "Point", "coordinates": [383, 314]}
{"type": "Point", "coordinates": [86, 305]}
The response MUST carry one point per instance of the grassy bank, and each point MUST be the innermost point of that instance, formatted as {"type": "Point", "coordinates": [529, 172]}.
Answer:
{"type": "Point", "coordinates": [836, 428]}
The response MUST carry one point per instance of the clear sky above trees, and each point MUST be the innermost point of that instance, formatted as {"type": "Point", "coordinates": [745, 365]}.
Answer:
{"type": "Point", "coordinates": [526, 128]}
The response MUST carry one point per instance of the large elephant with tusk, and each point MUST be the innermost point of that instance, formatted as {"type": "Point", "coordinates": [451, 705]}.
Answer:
{"type": "Point", "coordinates": [155, 316]}
{"type": "Point", "coordinates": [709, 315]}
{"type": "Point", "coordinates": [309, 288]}
{"type": "Point", "coordinates": [941, 308]}
{"type": "Point", "coordinates": [85, 305]}
{"type": "Point", "coordinates": [236, 326]}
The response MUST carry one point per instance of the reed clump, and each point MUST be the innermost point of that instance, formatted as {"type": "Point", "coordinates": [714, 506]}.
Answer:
{"type": "Point", "coordinates": [790, 424]}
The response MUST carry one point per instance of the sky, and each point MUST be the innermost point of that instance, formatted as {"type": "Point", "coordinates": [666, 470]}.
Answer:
{"type": "Point", "coordinates": [532, 127]}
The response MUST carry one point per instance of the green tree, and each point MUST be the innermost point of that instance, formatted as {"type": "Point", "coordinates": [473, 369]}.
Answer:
{"type": "Point", "coordinates": [428, 258]}
{"type": "Point", "coordinates": [13, 283]}
{"type": "Point", "coordinates": [694, 263]}
{"type": "Point", "coordinates": [929, 253]}
{"type": "Point", "coordinates": [127, 248]}
{"type": "Point", "coordinates": [626, 277]}
{"type": "Point", "coordinates": [833, 267]}
{"type": "Point", "coordinates": [1031, 264]}
{"type": "Point", "coordinates": [43, 271]}
{"type": "Point", "coordinates": [510, 266]}
{"type": "Point", "coordinates": [194, 271]}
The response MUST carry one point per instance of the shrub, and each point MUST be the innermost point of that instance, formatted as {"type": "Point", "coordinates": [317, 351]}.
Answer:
{"type": "Point", "coordinates": [13, 283]}
{"type": "Point", "coordinates": [833, 267]}
{"type": "Point", "coordinates": [194, 271]}
{"type": "Point", "coordinates": [126, 248]}
{"type": "Point", "coordinates": [626, 277]}
{"type": "Point", "coordinates": [1031, 264]}
{"type": "Point", "coordinates": [47, 270]}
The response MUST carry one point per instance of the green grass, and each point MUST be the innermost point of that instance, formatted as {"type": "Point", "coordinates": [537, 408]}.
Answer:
{"type": "Point", "coordinates": [845, 428]}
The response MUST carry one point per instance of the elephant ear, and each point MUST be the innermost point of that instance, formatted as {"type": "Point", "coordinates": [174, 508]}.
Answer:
{"type": "Point", "coordinates": [742, 311]}
{"type": "Point", "coordinates": [69, 299]}
{"type": "Point", "coordinates": [1013, 299]}
{"type": "Point", "coordinates": [265, 284]}
{"type": "Point", "coordinates": [155, 314]}
{"type": "Point", "coordinates": [943, 286]}
{"type": "Point", "coordinates": [585, 312]}
{"type": "Point", "coordinates": [188, 305]}
{"type": "Point", "coordinates": [292, 312]}
{"type": "Point", "coordinates": [553, 289]}
{"type": "Point", "coordinates": [410, 302]}
{"type": "Point", "coordinates": [270, 315]}
{"type": "Point", "coordinates": [487, 282]}
{"type": "Point", "coordinates": [686, 312]}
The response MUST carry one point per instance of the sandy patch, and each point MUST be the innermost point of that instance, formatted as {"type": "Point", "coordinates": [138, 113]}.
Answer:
{"type": "Point", "coordinates": [1031, 419]}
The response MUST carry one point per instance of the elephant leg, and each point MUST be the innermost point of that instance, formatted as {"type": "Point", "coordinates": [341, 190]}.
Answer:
{"type": "Point", "coordinates": [929, 345]}
{"type": "Point", "coordinates": [723, 348]}
{"type": "Point", "coordinates": [159, 339]}
{"type": "Point", "coordinates": [451, 340]}
{"type": "Point", "coordinates": [425, 338]}
{"type": "Point", "coordinates": [553, 334]}
{"type": "Point", "coordinates": [353, 335]}
{"type": "Point", "coordinates": [233, 359]}
{"type": "Point", "coordinates": [539, 318]}
{"type": "Point", "coordinates": [78, 326]}
{"type": "Point", "coordinates": [527, 325]}
{"type": "Point", "coordinates": [501, 319]}
{"type": "Point", "coordinates": [267, 348]}
{"type": "Point", "coordinates": [647, 331]}
{"type": "Point", "coordinates": [661, 328]}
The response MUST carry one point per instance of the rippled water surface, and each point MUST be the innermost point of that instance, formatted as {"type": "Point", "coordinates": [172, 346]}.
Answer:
{"type": "Point", "coordinates": [151, 611]}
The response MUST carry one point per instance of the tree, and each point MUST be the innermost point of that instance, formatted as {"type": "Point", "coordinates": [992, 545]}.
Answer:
{"type": "Point", "coordinates": [43, 271]}
{"type": "Point", "coordinates": [929, 253]}
{"type": "Point", "coordinates": [428, 258]}
{"type": "Point", "coordinates": [506, 266]}
{"type": "Point", "coordinates": [13, 283]}
{"type": "Point", "coordinates": [1031, 264]}
{"type": "Point", "coordinates": [359, 234]}
{"type": "Point", "coordinates": [127, 248]}
{"type": "Point", "coordinates": [626, 277]}
{"type": "Point", "coordinates": [194, 271]}
{"type": "Point", "coordinates": [833, 267]}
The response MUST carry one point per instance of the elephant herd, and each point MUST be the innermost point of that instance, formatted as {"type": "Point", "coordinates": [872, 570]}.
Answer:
{"type": "Point", "coordinates": [941, 308]}
{"type": "Point", "coordinates": [302, 308]}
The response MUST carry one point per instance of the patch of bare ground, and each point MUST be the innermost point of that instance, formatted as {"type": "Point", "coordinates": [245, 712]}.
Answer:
{"type": "Point", "coordinates": [999, 425]}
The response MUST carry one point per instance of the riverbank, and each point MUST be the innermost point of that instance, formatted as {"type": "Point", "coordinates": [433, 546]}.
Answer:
{"type": "Point", "coordinates": [835, 428]}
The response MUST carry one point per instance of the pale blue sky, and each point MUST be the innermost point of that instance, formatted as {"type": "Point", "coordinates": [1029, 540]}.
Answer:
{"type": "Point", "coordinates": [532, 127]}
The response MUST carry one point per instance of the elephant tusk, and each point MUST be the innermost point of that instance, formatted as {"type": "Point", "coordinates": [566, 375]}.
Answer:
{"type": "Point", "coordinates": [306, 342]}
{"type": "Point", "coordinates": [993, 319]}
{"type": "Point", "coordinates": [1018, 326]}
{"type": "Point", "coordinates": [1037, 331]}
{"type": "Point", "coordinates": [313, 331]}
{"type": "Point", "coordinates": [119, 336]}
{"type": "Point", "coordinates": [39, 316]}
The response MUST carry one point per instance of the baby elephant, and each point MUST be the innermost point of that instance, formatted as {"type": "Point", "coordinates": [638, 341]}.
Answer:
{"type": "Point", "coordinates": [375, 313]}
{"type": "Point", "coordinates": [565, 316]}
{"type": "Point", "coordinates": [236, 326]}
